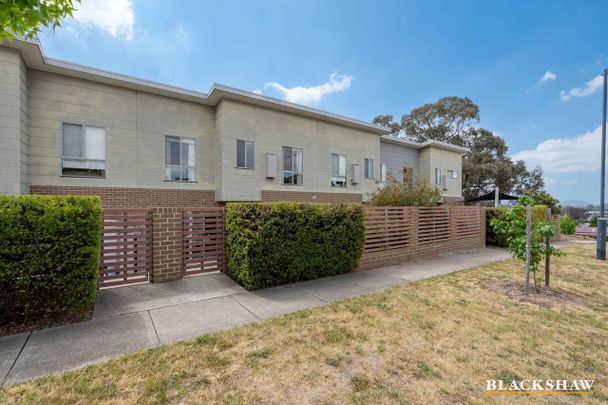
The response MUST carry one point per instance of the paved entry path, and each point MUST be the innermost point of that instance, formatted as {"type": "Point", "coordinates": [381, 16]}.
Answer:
{"type": "Point", "coordinates": [132, 318]}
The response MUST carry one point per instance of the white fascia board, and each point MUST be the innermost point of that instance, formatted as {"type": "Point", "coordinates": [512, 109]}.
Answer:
{"type": "Point", "coordinates": [34, 58]}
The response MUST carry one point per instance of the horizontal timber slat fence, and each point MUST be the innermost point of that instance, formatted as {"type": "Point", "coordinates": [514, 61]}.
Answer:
{"type": "Point", "coordinates": [126, 247]}
{"type": "Point", "coordinates": [203, 240]}
{"type": "Point", "coordinates": [167, 243]}
{"type": "Point", "coordinates": [397, 234]}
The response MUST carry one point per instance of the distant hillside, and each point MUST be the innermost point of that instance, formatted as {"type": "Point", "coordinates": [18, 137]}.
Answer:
{"type": "Point", "coordinates": [575, 203]}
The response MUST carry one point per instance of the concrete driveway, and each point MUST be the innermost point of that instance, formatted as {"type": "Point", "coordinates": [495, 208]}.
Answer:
{"type": "Point", "coordinates": [132, 318]}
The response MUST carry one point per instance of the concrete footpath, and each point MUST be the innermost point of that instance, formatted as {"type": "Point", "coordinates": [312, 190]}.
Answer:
{"type": "Point", "coordinates": [132, 318]}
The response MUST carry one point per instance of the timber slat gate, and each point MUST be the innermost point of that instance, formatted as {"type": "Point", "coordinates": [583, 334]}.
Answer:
{"type": "Point", "coordinates": [203, 240]}
{"type": "Point", "coordinates": [126, 247]}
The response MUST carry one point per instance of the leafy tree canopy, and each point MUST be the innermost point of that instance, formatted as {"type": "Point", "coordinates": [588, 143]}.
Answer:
{"type": "Point", "coordinates": [487, 165]}
{"type": "Point", "coordinates": [450, 119]}
{"type": "Point", "coordinates": [27, 17]}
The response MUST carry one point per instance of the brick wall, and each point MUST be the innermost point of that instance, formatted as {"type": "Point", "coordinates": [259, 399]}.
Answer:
{"type": "Point", "coordinates": [118, 197]}
{"type": "Point", "coordinates": [310, 197]}
{"type": "Point", "coordinates": [167, 244]}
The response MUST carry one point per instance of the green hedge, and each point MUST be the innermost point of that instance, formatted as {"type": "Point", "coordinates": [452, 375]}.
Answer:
{"type": "Point", "coordinates": [274, 244]}
{"type": "Point", "coordinates": [492, 239]}
{"type": "Point", "coordinates": [49, 254]}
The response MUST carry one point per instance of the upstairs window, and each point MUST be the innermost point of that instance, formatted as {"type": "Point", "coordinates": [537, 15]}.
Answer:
{"type": "Point", "coordinates": [180, 159]}
{"type": "Point", "coordinates": [245, 151]}
{"type": "Point", "coordinates": [83, 151]}
{"type": "Point", "coordinates": [383, 173]}
{"type": "Point", "coordinates": [369, 169]}
{"type": "Point", "coordinates": [338, 170]}
{"type": "Point", "coordinates": [452, 174]}
{"type": "Point", "coordinates": [292, 166]}
{"type": "Point", "coordinates": [438, 176]}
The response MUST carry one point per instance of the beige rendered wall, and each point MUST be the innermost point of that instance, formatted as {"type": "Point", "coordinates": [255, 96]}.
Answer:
{"type": "Point", "coordinates": [13, 123]}
{"type": "Point", "coordinates": [136, 125]}
{"type": "Point", "coordinates": [432, 157]}
{"type": "Point", "coordinates": [271, 130]}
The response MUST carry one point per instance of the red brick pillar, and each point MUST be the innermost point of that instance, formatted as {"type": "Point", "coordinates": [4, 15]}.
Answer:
{"type": "Point", "coordinates": [167, 255]}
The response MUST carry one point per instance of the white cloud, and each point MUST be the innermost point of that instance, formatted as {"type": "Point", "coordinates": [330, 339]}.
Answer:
{"type": "Point", "coordinates": [547, 77]}
{"type": "Point", "coordinates": [589, 88]}
{"type": "Point", "coordinates": [549, 180]}
{"type": "Point", "coordinates": [113, 16]}
{"type": "Point", "coordinates": [314, 94]}
{"type": "Point", "coordinates": [566, 155]}
{"type": "Point", "coordinates": [257, 91]}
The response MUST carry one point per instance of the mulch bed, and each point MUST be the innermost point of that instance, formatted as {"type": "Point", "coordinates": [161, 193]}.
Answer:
{"type": "Point", "coordinates": [20, 325]}
{"type": "Point", "coordinates": [545, 297]}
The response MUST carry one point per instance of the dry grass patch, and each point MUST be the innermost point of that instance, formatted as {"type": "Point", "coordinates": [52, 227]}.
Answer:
{"type": "Point", "coordinates": [434, 341]}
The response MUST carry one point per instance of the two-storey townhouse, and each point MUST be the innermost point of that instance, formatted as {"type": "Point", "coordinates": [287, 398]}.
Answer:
{"type": "Point", "coordinates": [71, 129]}
{"type": "Point", "coordinates": [438, 162]}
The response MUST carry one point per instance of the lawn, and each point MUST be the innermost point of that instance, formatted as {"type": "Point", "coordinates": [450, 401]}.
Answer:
{"type": "Point", "coordinates": [433, 341]}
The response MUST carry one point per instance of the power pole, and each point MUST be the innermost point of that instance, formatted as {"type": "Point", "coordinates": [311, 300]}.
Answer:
{"type": "Point", "coordinates": [528, 245]}
{"type": "Point", "coordinates": [547, 256]}
{"type": "Point", "coordinates": [601, 222]}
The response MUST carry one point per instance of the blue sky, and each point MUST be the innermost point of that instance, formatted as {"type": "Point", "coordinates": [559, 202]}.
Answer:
{"type": "Point", "coordinates": [363, 58]}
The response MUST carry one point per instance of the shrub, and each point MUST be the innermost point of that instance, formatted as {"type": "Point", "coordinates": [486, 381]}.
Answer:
{"type": "Point", "coordinates": [593, 221]}
{"type": "Point", "coordinates": [274, 244]}
{"type": "Point", "coordinates": [492, 238]}
{"type": "Point", "coordinates": [567, 225]}
{"type": "Point", "coordinates": [49, 254]}
{"type": "Point", "coordinates": [512, 228]}
{"type": "Point", "coordinates": [546, 199]}
{"type": "Point", "coordinates": [409, 192]}
{"type": "Point", "coordinates": [539, 213]}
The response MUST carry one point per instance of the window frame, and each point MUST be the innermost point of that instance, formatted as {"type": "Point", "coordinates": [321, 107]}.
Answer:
{"type": "Point", "coordinates": [438, 176]}
{"type": "Point", "coordinates": [331, 174]}
{"type": "Point", "coordinates": [383, 170]}
{"type": "Point", "coordinates": [63, 157]}
{"type": "Point", "coordinates": [180, 166]}
{"type": "Point", "coordinates": [293, 164]}
{"type": "Point", "coordinates": [454, 175]}
{"type": "Point", "coordinates": [368, 169]}
{"type": "Point", "coordinates": [245, 142]}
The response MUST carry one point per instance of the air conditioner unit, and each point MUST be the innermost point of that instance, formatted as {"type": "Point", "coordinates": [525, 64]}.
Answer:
{"type": "Point", "coordinates": [271, 166]}
{"type": "Point", "coordinates": [444, 182]}
{"type": "Point", "coordinates": [356, 173]}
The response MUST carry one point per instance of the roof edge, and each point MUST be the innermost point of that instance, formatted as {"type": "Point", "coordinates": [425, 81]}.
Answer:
{"type": "Point", "coordinates": [421, 145]}
{"type": "Point", "coordinates": [33, 54]}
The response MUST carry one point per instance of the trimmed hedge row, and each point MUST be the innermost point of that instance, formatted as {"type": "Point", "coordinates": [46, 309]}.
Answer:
{"type": "Point", "coordinates": [49, 254]}
{"type": "Point", "coordinates": [274, 244]}
{"type": "Point", "coordinates": [492, 239]}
